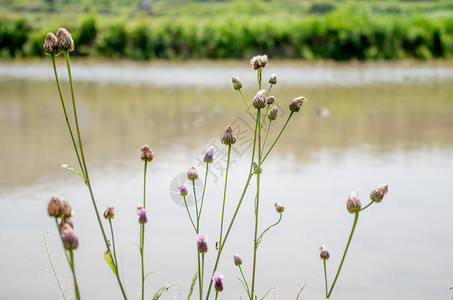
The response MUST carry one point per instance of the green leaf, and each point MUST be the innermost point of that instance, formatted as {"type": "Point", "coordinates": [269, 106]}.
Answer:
{"type": "Point", "coordinates": [109, 260]}
{"type": "Point", "coordinates": [162, 290]}
{"type": "Point", "coordinates": [67, 167]}
{"type": "Point", "coordinates": [267, 293]}
{"type": "Point", "coordinates": [148, 274]}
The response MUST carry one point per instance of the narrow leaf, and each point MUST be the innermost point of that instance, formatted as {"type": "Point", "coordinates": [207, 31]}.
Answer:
{"type": "Point", "coordinates": [67, 167]}
{"type": "Point", "coordinates": [148, 274]}
{"type": "Point", "coordinates": [267, 293]}
{"type": "Point", "coordinates": [162, 290]}
{"type": "Point", "coordinates": [109, 260]}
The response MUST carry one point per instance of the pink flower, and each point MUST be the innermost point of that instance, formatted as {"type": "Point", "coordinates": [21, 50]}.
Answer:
{"type": "Point", "coordinates": [217, 277]}
{"type": "Point", "coordinates": [202, 243]}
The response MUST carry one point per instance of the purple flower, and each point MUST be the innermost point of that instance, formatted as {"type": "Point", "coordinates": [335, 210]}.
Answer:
{"type": "Point", "coordinates": [209, 156]}
{"type": "Point", "coordinates": [141, 212]}
{"type": "Point", "coordinates": [324, 252]}
{"type": "Point", "coordinates": [192, 174]}
{"type": "Point", "coordinates": [183, 190]}
{"type": "Point", "coordinates": [217, 277]}
{"type": "Point", "coordinates": [202, 243]}
{"type": "Point", "coordinates": [237, 260]}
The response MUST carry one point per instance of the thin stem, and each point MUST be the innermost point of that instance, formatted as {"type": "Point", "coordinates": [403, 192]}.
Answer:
{"type": "Point", "coordinates": [325, 274]}
{"type": "Point", "coordinates": [204, 189]}
{"type": "Point", "coordinates": [59, 233]}
{"type": "Point", "coordinates": [246, 105]}
{"type": "Point", "coordinates": [267, 134]}
{"type": "Point", "coordinates": [202, 269]}
{"type": "Point", "coordinates": [113, 244]}
{"type": "Point", "coordinates": [264, 117]}
{"type": "Point", "coordinates": [142, 241]}
{"type": "Point", "coordinates": [224, 193]}
{"type": "Point", "coordinates": [278, 137]}
{"type": "Point", "coordinates": [245, 281]}
{"type": "Point", "coordinates": [196, 206]}
{"type": "Point", "coordinates": [66, 115]}
{"type": "Point", "coordinates": [200, 280]}
{"type": "Point", "coordinates": [259, 77]}
{"type": "Point", "coordinates": [367, 205]}
{"type": "Point", "coordinates": [270, 88]}
{"type": "Point", "coordinates": [188, 212]}
{"type": "Point", "coordinates": [344, 255]}
{"type": "Point", "coordinates": [251, 173]}
{"type": "Point", "coordinates": [267, 229]}
{"type": "Point", "coordinates": [76, 287]}
{"type": "Point", "coordinates": [87, 179]}
{"type": "Point", "coordinates": [144, 184]}
{"type": "Point", "coordinates": [216, 294]}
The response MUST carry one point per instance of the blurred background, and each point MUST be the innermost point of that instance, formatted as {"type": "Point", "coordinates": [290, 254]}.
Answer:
{"type": "Point", "coordinates": [379, 81]}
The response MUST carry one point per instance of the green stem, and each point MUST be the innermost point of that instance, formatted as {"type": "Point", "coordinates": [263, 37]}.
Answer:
{"type": "Point", "coordinates": [188, 212]}
{"type": "Point", "coordinates": [268, 91]}
{"type": "Point", "coordinates": [204, 189]}
{"type": "Point", "coordinates": [113, 245]}
{"type": "Point", "coordinates": [246, 105]}
{"type": "Point", "coordinates": [251, 172]}
{"type": "Point", "coordinates": [76, 287]}
{"type": "Point", "coordinates": [200, 281]}
{"type": "Point", "coordinates": [267, 134]}
{"type": "Point", "coordinates": [264, 117]}
{"type": "Point", "coordinates": [224, 193]}
{"type": "Point", "coordinates": [259, 77]}
{"type": "Point", "coordinates": [59, 233]}
{"type": "Point", "coordinates": [367, 205]}
{"type": "Point", "coordinates": [87, 179]}
{"type": "Point", "coordinates": [245, 281]}
{"type": "Point", "coordinates": [196, 207]}
{"type": "Point", "coordinates": [267, 229]}
{"type": "Point", "coordinates": [216, 294]}
{"type": "Point", "coordinates": [144, 184]}
{"type": "Point", "coordinates": [142, 246]}
{"type": "Point", "coordinates": [325, 275]}
{"type": "Point", "coordinates": [66, 115]}
{"type": "Point", "coordinates": [344, 255]}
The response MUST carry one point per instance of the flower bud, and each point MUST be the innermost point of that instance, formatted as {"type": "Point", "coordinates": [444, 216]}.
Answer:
{"type": "Point", "coordinates": [109, 213]}
{"type": "Point", "coordinates": [296, 104]}
{"type": "Point", "coordinates": [65, 209]}
{"type": "Point", "coordinates": [279, 207]}
{"type": "Point", "coordinates": [141, 212]}
{"type": "Point", "coordinates": [183, 190]}
{"type": "Point", "coordinates": [237, 260]}
{"type": "Point", "coordinates": [228, 138]}
{"type": "Point", "coordinates": [69, 238]}
{"type": "Point", "coordinates": [378, 193]}
{"type": "Point", "coordinates": [257, 168]}
{"type": "Point", "coordinates": [202, 243]}
{"type": "Point", "coordinates": [217, 277]}
{"type": "Point", "coordinates": [353, 203]}
{"type": "Point", "coordinates": [147, 154]}
{"type": "Point", "coordinates": [192, 174]}
{"type": "Point", "coordinates": [51, 44]}
{"type": "Point", "coordinates": [273, 79]}
{"type": "Point", "coordinates": [270, 100]}
{"type": "Point", "coordinates": [54, 207]}
{"type": "Point", "coordinates": [65, 41]}
{"type": "Point", "coordinates": [324, 252]}
{"type": "Point", "coordinates": [259, 61]}
{"type": "Point", "coordinates": [237, 84]}
{"type": "Point", "coordinates": [209, 156]}
{"type": "Point", "coordinates": [260, 100]}
{"type": "Point", "coordinates": [66, 221]}
{"type": "Point", "coordinates": [273, 113]}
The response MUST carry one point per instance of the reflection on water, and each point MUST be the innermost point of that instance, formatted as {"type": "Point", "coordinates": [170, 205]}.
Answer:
{"type": "Point", "coordinates": [395, 127]}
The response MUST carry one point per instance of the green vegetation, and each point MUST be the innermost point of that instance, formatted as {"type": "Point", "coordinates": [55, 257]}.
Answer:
{"type": "Point", "coordinates": [183, 29]}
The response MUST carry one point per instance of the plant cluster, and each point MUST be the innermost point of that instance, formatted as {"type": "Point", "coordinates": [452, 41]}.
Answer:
{"type": "Point", "coordinates": [262, 111]}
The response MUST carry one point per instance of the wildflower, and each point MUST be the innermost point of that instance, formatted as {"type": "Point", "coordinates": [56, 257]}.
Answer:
{"type": "Point", "coordinates": [228, 138]}
{"type": "Point", "coordinates": [273, 79]}
{"type": "Point", "coordinates": [109, 213]}
{"type": "Point", "coordinates": [54, 207]}
{"type": "Point", "coordinates": [260, 100]}
{"type": "Point", "coordinates": [237, 260]}
{"type": "Point", "coordinates": [217, 277]}
{"type": "Point", "coordinates": [279, 207]}
{"type": "Point", "coordinates": [141, 212]}
{"type": "Point", "coordinates": [202, 243]}
{"type": "Point", "coordinates": [69, 238]}
{"type": "Point", "coordinates": [209, 156]}
{"type": "Point", "coordinates": [147, 154]}
{"type": "Point", "coordinates": [296, 104]}
{"type": "Point", "coordinates": [270, 100]}
{"type": "Point", "coordinates": [259, 61]}
{"type": "Point", "coordinates": [273, 113]}
{"type": "Point", "coordinates": [237, 84]}
{"type": "Point", "coordinates": [51, 44]}
{"type": "Point", "coordinates": [192, 174]}
{"type": "Point", "coordinates": [353, 203]}
{"type": "Point", "coordinates": [183, 190]}
{"type": "Point", "coordinates": [256, 168]}
{"type": "Point", "coordinates": [378, 193]}
{"type": "Point", "coordinates": [65, 209]}
{"type": "Point", "coordinates": [65, 41]}
{"type": "Point", "coordinates": [324, 252]}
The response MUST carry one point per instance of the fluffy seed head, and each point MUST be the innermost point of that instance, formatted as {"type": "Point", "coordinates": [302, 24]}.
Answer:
{"type": "Point", "coordinates": [65, 41]}
{"type": "Point", "coordinates": [273, 79]}
{"type": "Point", "coordinates": [259, 61]}
{"type": "Point", "coordinates": [109, 212]}
{"type": "Point", "coordinates": [378, 193]}
{"type": "Point", "coordinates": [353, 203]}
{"type": "Point", "coordinates": [51, 44]}
{"type": "Point", "coordinates": [192, 174]}
{"type": "Point", "coordinates": [228, 138]}
{"type": "Point", "coordinates": [237, 84]}
{"type": "Point", "coordinates": [296, 104]}
{"type": "Point", "coordinates": [147, 154]}
{"type": "Point", "coordinates": [260, 99]}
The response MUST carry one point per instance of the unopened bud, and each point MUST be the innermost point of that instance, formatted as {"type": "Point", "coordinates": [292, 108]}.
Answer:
{"type": "Point", "coordinates": [257, 168]}
{"type": "Point", "coordinates": [237, 260]}
{"type": "Point", "coordinates": [69, 238]}
{"type": "Point", "coordinates": [109, 213]}
{"type": "Point", "coordinates": [202, 243]}
{"type": "Point", "coordinates": [237, 84]}
{"type": "Point", "coordinates": [260, 100]}
{"type": "Point", "coordinates": [270, 100]}
{"type": "Point", "coordinates": [353, 203]}
{"type": "Point", "coordinates": [141, 212]}
{"type": "Point", "coordinates": [66, 221]}
{"type": "Point", "coordinates": [51, 44]}
{"type": "Point", "coordinates": [192, 174]}
{"type": "Point", "coordinates": [65, 41]}
{"type": "Point", "coordinates": [296, 104]}
{"type": "Point", "coordinates": [324, 252]}
{"type": "Point", "coordinates": [209, 156]}
{"type": "Point", "coordinates": [65, 209]}
{"type": "Point", "coordinates": [279, 207]}
{"type": "Point", "coordinates": [147, 154]}
{"type": "Point", "coordinates": [273, 113]}
{"type": "Point", "coordinates": [228, 138]}
{"type": "Point", "coordinates": [54, 207]}
{"type": "Point", "coordinates": [273, 79]}
{"type": "Point", "coordinates": [183, 190]}
{"type": "Point", "coordinates": [378, 193]}
{"type": "Point", "coordinates": [259, 61]}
